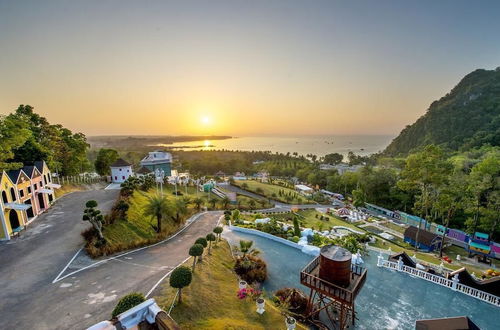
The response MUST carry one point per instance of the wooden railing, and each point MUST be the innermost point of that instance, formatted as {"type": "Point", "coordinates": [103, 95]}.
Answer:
{"type": "Point", "coordinates": [473, 292]}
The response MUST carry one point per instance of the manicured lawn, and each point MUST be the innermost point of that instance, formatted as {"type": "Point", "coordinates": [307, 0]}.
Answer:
{"type": "Point", "coordinates": [308, 219]}
{"type": "Point", "coordinates": [395, 227]}
{"type": "Point", "coordinates": [210, 301]}
{"type": "Point", "coordinates": [273, 191]}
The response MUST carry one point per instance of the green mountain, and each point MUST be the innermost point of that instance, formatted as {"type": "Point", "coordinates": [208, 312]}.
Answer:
{"type": "Point", "coordinates": [466, 117]}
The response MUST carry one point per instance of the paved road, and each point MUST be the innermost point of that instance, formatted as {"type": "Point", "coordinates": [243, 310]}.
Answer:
{"type": "Point", "coordinates": [29, 300]}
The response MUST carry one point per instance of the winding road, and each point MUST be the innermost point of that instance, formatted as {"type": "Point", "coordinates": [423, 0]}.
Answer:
{"type": "Point", "coordinates": [30, 264]}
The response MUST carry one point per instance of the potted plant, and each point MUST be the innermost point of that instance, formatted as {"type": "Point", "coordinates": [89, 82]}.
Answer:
{"type": "Point", "coordinates": [291, 323]}
{"type": "Point", "coordinates": [260, 302]}
{"type": "Point", "coordinates": [242, 285]}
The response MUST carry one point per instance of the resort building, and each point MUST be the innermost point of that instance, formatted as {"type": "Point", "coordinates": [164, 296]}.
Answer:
{"type": "Point", "coordinates": [143, 171]}
{"type": "Point", "coordinates": [120, 171]}
{"type": "Point", "coordinates": [427, 241]}
{"type": "Point", "coordinates": [46, 182]}
{"type": "Point", "coordinates": [33, 195]}
{"type": "Point", "coordinates": [12, 213]}
{"type": "Point", "coordinates": [158, 160]}
{"type": "Point", "coordinates": [303, 189]}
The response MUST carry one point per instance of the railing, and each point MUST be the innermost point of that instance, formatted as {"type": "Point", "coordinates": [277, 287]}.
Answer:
{"type": "Point", "coordinates": [452, 284]}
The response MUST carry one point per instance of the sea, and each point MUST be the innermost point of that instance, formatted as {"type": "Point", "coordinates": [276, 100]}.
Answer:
{"type": "Point", "coordinates": [317, 145]}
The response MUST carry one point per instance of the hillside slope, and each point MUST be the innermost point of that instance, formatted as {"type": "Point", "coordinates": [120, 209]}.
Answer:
{"type": "Point", "coordinates": [466, 117]}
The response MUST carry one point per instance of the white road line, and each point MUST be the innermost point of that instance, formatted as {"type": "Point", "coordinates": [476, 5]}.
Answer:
{"type": "Point", "coordinates": [164, 276]}
{"type": "Point", "coordinates": [192, 220]}
{"type": "Point", "coordinates": [67, 265]}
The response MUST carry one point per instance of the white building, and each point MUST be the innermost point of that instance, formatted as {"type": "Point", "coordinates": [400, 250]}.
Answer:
{"type": "Point", "coordinates": [341, 168]}
{"type": "Point", "coordinates": [303, 189]}
{"type": "Point", "coordinates": [158, 160]}
{"type": "Point", "coordinates": [120, 171]}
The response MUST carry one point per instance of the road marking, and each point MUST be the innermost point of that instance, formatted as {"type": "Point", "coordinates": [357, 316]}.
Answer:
{"type": "Point", "coordinates": [189, 222]}
{"type": "Point", "coordinates": [67, 265]}
{"type": "Point", "coordinates": [164, 276]}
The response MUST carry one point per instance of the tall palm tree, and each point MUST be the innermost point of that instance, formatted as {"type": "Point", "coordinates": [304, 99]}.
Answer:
{"type": "Point", "coordinates": [225, 202]}
{"type": "Point", "coordinates": [159, 207]}
{"type": "Point", "coordinates": [180, 209]}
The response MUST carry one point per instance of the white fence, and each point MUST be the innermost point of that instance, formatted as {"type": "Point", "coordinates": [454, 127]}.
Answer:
{"type": "Point", "coordinates": [452, 284]}
{"type": "Point", "coordinates": [266, 235]}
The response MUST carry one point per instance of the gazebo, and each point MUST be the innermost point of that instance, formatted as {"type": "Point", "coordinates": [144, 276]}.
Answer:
{"type": "Point", "coordinates": [343, 212]}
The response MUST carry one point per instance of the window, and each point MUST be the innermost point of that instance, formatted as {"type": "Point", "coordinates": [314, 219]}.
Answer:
{"type": "Point", "coordinates": [116, 178]}
{"type": "Point", "coordinates": [21, 192]}
{"type": "Point", "coordinates": [41, 184]}
{"type": "Point", "coordinates": [13, 194]}
{"type": "Point", "coordinates": [123, 177]}
{"type": "Point", "coordinates": [50, 179]}
{"type": "Point", "coordinates": [120, 169]}
{"type": "Point", "coordinates": [29, 190]}
{"type": "Point", "coordinates": [128, 171]}
{"type": "Point", "coordinates": [4, 197]}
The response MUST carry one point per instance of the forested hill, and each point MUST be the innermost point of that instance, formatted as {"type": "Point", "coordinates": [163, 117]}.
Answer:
{"type": "Point", "coordinates": [467, 117]}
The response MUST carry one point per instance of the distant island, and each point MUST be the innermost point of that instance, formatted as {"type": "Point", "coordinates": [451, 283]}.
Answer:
{"type": "Point", "coordinates": [133, 142]}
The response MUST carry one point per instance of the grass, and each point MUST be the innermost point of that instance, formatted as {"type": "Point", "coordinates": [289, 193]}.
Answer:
{"type": "Point", "coordinates": [136, 230]}
{"type": "Point", "coordinates": [210, 301]}
{"type": "Point", "coordinates": [272, 191]}
{"type": "Point", "coordinates": [395, 227]}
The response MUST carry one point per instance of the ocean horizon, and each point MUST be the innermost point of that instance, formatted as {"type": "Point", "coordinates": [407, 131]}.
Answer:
{"type": "Point", "coordinates": [318, 145]}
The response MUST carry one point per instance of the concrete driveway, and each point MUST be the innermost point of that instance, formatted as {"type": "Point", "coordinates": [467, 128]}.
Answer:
{"type": "Point", "coordinates": [29, 299]}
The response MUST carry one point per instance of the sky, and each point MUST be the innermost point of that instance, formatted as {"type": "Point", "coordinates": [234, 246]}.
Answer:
{"type": "Point", "coordinates": [240, 68]}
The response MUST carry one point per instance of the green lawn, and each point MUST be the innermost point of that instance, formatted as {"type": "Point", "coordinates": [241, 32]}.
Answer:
{"type": "Point", "coordinates": [394, 227]}
{"type": "Point", "coordinates": [210, 301]}
{"type": "Point", "coordinates": [273, 191]}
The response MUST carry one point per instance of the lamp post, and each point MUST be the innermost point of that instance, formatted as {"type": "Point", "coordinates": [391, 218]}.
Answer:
{"type": "Point", "coordinates": [160, 176]}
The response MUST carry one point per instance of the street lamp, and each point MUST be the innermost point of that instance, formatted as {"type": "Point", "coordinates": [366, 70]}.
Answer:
{"type": "Point", "coordinates": [160, 176]}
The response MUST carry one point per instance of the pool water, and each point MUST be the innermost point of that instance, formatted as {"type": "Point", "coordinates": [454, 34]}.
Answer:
{"type": "Point", "coordinates": [388, 300]}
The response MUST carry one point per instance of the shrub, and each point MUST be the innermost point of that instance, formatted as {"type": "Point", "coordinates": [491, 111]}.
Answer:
{"type": "Point", "coordinates": [251, 269]}
{"type": "Point", "coordinates": [296, 227]}
{"type": "Point", "coordinates": [180, 278]}
{"type": "Point", "coordinates": [291, 299]}
{"type": "Point", "coordinates": [127, 302]}
{"type": "Point", "coordinates": [202, 241]}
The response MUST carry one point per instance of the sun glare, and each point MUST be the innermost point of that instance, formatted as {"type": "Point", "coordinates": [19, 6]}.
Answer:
{"type": "Point", "coordinates": [205, 120]}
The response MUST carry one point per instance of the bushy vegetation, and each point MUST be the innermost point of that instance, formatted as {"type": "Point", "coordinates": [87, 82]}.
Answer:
{"type": "Point", "coordinates": [180, 278]}
{"type": "Point", "coordinates": [468, 116]}
{"type": "Point", "coordinates": [248, 266]}
{"type": "Point", "coordinates": [127, 302]}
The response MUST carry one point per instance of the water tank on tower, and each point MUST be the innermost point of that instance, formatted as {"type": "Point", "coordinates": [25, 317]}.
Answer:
{"type": "Point", "coordinates": [335, 265]}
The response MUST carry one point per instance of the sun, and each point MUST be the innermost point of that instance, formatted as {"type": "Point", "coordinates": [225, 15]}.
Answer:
{"type": "Point", "coordinates": [205, 120]}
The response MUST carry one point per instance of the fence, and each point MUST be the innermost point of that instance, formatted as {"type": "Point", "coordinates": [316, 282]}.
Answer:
{"type": "Point", "coordinates": [452, 284]}
{"type": "Point", "coordinates": [77, 179]}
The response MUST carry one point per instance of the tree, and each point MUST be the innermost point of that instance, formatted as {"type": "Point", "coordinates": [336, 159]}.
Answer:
{"type": "Point", "coordinates": [202, 241]}
{"type": "Point", "coordinates": [425, 173]}
{"type": "Point", "coordinates": [158, 206]}
{"type": "Point", "coordinates": [246, 248]}
{"type": "Point", "coordinates": [181, 209]}
{"type": "Point", "coordinates": [210, 238]}
{"type": "Point", "coordinates": [105, 157]}
{"type": "Point", "coordinates": [13, 134]}
{"type": "Point", "coordinates": [198, 202]}
{"type": "Point", "coordinates": [127, 302]}
{"type": "Point", "coordinates": [180, 278]}
{"type": "Point", "coordinates": [218, 230]}
{"type": "Point", "coordinates": [236, 215]}
{"type": "Point", "coordinates": [334, 158]}
{"type": "Point", "coordinates": [359, 198]}
{"type": "Point", "coordinates": [94, 216]}
{"type": "Point", "coordinates": [251, 203]}
{"type": "Point", "coordinates": [296, 227]}
{"type": "Point", "coordinates": [225, 202]}
{"type": "Point", "coordinates": [213, 201]}
{"type": "Point", "coordinates": [195, 251]}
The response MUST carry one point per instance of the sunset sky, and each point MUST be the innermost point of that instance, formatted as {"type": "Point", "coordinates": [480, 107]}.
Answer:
{"type": "Point", "coordinates": [240, 67]}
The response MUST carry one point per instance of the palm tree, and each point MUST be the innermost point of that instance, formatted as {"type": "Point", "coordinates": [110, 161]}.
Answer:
{"type": "Point", "coordinates": [213, 201]}
{"type": "Point", "coordinates": [198, 202]}
{"type": "Point", "coordinates": [246, 248]}
{"type": "Point", "coordinates": [180, 209]}
{"type": "Point", "coordinates": [157, 206]}
{"type": "Point", "coordinates": [225, 202]}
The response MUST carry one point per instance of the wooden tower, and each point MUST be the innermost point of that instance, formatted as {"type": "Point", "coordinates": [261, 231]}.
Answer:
{"type": "Point", "coordinates": [334, 284]}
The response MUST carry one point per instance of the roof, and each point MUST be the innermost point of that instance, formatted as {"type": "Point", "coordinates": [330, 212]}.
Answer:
{"type": "Point", "coordinates": [406, 259]}
{"type": "Point", "coordinates": [144, 170]}
{"type": "Point", "coordinates": [480, 246]}
{"type": "Point", "coordinates": [14, 175]}
{"type": "Point", "coordinates": [481, 235]}
{"type": "Point", "coordinates": [39, 165]}
{"type": "Point", "coordinates": [449, 323]}
{"type": "Point", "coordinates": [302, 187]}
{"type": "Point", "coordinates": [120, 162]}
{"type": "Point", "coordinates": [29, 170]}
{"type": "Point", "coordinates": [424, 236]}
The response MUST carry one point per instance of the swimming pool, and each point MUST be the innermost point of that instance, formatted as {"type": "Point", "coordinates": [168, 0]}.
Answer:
{"type": "Point", "coordinates": [388, 300]}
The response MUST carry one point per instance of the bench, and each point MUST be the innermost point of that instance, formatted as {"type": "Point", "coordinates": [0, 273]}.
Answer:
{"type": "Point", "coordinates": [17, 231]}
